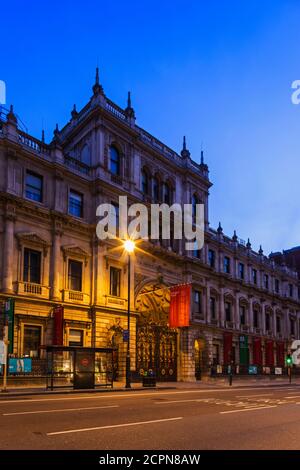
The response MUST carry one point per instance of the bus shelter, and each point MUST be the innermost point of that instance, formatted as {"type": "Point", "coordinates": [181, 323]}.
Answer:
{"type": "Point", "coordinates": [79, 367]}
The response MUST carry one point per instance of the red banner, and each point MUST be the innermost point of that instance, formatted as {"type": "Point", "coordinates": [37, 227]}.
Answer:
{"type": "Point", "coordinates": [257, 352]}
{"type": "Point", "coordinates": [269, 353]}
{"type": "Point", "coordinates": [227, 348]}
{"type": "Point", "coordinates": [58, 327]}
{"type": "Point", "coordinates": [180, 306]}
{"type": "Point", "coordinates": [280, 353]}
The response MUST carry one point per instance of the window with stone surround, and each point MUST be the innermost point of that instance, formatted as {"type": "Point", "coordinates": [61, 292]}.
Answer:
{"type": "Point", "coordinates": [32, 266]}
{"type": "Point", "coordinates": [115, 281]}
{"type": "Point", "coordinates": [74, 275]}
{"type": "Point", "coordinates": [34, 186]}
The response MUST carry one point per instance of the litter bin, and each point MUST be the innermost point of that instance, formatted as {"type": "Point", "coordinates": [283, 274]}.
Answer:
{"type": "Point", "coordinates": [149, 379]}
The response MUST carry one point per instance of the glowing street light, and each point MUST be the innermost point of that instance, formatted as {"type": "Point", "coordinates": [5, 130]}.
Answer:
{"type": "Point", "coordinates": [129, 246]}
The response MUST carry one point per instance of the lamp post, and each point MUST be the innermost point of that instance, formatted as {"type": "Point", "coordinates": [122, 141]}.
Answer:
{"type": "Point", "coordinates": [129, 246]}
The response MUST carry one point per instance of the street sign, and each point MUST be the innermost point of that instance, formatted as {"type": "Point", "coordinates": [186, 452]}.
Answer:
{"type": "Point", "coordinates": [9, 310]}
{"type": "Point", "coordinates": [2, 352]}
{"type": "Point", "coordinates": [295, 348]}
{"type": "Point", "coordinates": [125, 336]}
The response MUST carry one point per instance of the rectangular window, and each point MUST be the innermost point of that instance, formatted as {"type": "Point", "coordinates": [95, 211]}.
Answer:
{"type": "Point", "coordinates": [117, 219]}
{"type": "Point", "coordinates": [242, 315]}
{"type": "Point", "coordinates": [267, 322]}
{"type": "Point", "coordinates": [75, 337]}
{"type": "Point", "coordinates": [228, 311]}
{"type": "Point", "coordinates": [34, 186]}
{"type": "Point", "coordinates": [278, 324]}
{"type": "Point", "coordinates": [211, 258]}
{"type": "Point", "coordinates": [277, 286]}
{"type": "Point", "coordinates": [255, 318]}
{"type": "Point", "coordinates": [216, 354]}
{"type": "Point", "coordinates": [115, 280]}
{"type": "Point", "coordinates": [75, 275]}
{"type": "Point", "coordinates": [75, 203]}
{"type": "Point", "coordinates": [241, 271]}
{"type": "Point", "coordinates": [292, 326]}
{"type": "Point", "coordinates": [32, 340]}
{"type": "Point", "coordinates": [212, 306]}
{"type": "Point", "coordinates": [254, 276]}
{"type": "Point", "coordinates": [32, 266]}
{"type": "Point", "coordinates": [197, 302]}
{"type": "Point", "coordinates": [266, 281]}
{"type": "Point", "coordinates": [226, 265]}
{"type": "Point", "coordinates": [291, 290]}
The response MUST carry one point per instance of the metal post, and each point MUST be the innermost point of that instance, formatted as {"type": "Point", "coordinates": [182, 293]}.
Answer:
{"type": "Point", "coordinates": [4, 389]}
{"type": "Point", "coordinates": [128, 384]}
{"type": "Point", "coordinates": [290, 374]}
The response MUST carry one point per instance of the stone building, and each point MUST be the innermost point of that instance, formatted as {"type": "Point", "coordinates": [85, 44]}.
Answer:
{"type": "Point", "coordinates": [245, 307]}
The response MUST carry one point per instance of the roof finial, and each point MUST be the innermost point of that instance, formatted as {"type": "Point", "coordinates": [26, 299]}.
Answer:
{"type": "Point", "coordinates": [129, 111]}
{"type": "Point", "coordinates": [74, 112]}
{"type": "Point", "coordinates": [220, 230]}
{"type": "Point", "coordinates": [260, 251]}
{"type": "Point", "coordinates": [202, 157]}
{"type": "Point", "coordinates": [248, 244]}
{"type": "Point", "coordinates": [43, 136]}
{"type": "Point", "coordinates": [234, 237]}
{"type": "Point", "coordinates": [184, 152]}
{"type": "Point", "coordinates": [11, 117]}
{"type": "Point", "coordinates": [97, 88]}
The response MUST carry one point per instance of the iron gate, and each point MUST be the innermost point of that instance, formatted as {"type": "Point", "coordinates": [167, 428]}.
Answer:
{"type": "Point", "coordinates": [157, 352]}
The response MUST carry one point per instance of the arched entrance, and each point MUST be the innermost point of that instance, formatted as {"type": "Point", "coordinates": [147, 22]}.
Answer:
{"type": "Point", "coordinates": [156, 342]}
{"type": "Point", "coordinates": [199, 347]}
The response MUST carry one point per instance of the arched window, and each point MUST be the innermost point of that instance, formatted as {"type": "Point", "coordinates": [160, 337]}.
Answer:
{"type": "Point", "coordinates": [167, 194]}
{"type": "Point", "coordinates": [114, 161]}
{"type": "Point", "coordinates": [145, 182]}
{"type": "Point", "coordinates": [156, 189]}
{"type": "Point", "coordinates": [194, 207]}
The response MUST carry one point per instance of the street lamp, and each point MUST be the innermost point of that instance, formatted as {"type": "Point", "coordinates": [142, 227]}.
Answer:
{"type": "Point", "coordinates": [129, 246]}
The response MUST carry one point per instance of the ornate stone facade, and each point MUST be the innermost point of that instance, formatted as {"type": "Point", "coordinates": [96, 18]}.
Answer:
{"type": "Point", "coordinates": [99, 154]}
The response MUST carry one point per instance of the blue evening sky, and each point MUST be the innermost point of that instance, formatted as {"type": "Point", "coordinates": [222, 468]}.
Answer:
{"type": "Point", "coordinates": [219, 72]}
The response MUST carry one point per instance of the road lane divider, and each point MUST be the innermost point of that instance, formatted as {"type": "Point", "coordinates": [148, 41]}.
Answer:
{"type": "Point", "coordinates": [60, 410]}
{"type": "Point", "coordinates": [113, 426]}
{"type": "Point", "coordinates": [247, 409]}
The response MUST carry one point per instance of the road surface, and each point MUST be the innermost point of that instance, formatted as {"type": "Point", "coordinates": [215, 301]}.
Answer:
{"type": "Point", "coordinates": [244, 418]}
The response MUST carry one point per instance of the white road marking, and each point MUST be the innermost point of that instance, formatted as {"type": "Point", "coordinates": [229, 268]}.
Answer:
{"type": "Point", "coordinates": [250, 396]}
{"type": "Point", "coordinates": [114, 426]}
{"type": "Point", "coordinates": [291, 398]}
{"type": "Point", "coordinates": [247, 409]}
{"type": "Point", "coordinates": [59, 411]}
{"type": "Point", "coordinates": [137, 394]}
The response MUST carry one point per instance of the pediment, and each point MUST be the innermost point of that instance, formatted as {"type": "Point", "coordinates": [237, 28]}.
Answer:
{"type": "Point", "coordinates": [76, 251]}
{"type": "Point", "coordinates": [33, 239]}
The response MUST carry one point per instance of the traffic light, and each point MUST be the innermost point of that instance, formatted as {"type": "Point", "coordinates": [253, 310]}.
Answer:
{"type": "Point", "coordinates": [289, 360]}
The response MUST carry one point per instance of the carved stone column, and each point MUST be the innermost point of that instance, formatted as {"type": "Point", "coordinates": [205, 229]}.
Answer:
{"type": "Point", "coordinates": [56, 263]}
{"type": "Point", "coordinates": [8, 250]}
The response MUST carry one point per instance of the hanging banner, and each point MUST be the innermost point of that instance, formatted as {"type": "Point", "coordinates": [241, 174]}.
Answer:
{"type": "Point", "coordinates": [9, 310]}
{"type": "Point", "coordinates": [257, 352]}
{"type": "Point", "coordinates": [180, 306]}
{"type": "Point", "coordinates": [58, 327]}
{"type": "Point", "coordinates": [280, 353]}
{"type": "Point", "coordinates": [269, 353]}
{"type": "Point", "coordinates": [227, 348]}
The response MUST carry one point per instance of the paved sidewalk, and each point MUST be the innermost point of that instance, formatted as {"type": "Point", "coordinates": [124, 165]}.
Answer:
{"type": "Point", "coordinates": [209, 383]}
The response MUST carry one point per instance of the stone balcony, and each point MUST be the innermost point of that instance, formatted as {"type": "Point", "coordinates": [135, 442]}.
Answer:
{"type": "Point", "coordinates": [115, 302]}
{"type": "Point", "coordinates": [75, 297]}
{"type": "Point", "coordinates": [33, 290]}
